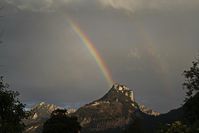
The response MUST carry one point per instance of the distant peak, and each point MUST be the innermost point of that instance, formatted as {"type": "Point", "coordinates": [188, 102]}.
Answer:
{"type": "Point", "coordinates": [44, 106]}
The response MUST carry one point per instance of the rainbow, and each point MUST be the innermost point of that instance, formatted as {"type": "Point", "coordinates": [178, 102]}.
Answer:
{"type": "Point", "coordinates": [94, 52]}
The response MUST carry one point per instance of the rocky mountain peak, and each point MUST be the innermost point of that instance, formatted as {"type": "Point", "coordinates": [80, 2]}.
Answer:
{"type": "Point", "coordinates": [119, 92]}
{"type": "Point", "coordinates": [120, 87]}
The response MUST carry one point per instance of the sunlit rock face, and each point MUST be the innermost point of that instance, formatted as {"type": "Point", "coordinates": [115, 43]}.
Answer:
{"type": "Point", "coordinates": [113, 110]}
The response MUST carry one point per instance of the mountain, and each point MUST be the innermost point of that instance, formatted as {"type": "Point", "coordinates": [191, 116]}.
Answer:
{"type": "Point", "coordinates": [111, 112]}
{"type": "Point", "coordinates": [38, 115]}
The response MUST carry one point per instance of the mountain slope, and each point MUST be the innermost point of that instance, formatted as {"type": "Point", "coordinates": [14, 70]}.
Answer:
{"type": "Point", "coordinates": [112, 111]}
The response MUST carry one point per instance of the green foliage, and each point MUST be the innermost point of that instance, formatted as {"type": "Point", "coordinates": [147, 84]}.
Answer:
{"type": "Point", "coordinates": [61, 123]}
{"type": "Point", "coordinates": [11, 110]}
{"type": "Point", "coordinates": [175, 127]}
{"type": "Point", "coordinates": [179, 127]}
{"type": "Point", "coordinates": [192, 79]}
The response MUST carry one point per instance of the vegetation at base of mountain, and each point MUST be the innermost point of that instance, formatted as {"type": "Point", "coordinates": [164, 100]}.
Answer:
{"type": "Point", "coordinates": [60, 122]}
{"type": "Point", "coordinates": [11, 110]}
{"type": "Point", "coordinates": [179, 127]}
{"type": "Point", "coordinates": [175, 127]}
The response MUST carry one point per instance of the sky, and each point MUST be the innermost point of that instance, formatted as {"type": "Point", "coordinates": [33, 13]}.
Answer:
{"type": "Point", "coordinates": [145, 44]}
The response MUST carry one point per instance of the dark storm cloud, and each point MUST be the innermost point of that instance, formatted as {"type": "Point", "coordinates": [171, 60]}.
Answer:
{"type": "Point", "coordinates": [146, 47]}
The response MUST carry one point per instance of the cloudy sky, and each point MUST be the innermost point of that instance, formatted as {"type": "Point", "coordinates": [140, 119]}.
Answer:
{"type": "Point", "coordinates": [146, 45]}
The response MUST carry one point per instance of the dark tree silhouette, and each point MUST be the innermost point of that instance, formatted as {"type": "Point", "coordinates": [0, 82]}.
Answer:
{"type": "Point", "coordinates": [11, 110]}
{"type": "Point", "coordinates": [192, 79]}
{"type": "Point", "coordinates": [60, 122]}
{"type": "Point", "coordinates": [191, 106]}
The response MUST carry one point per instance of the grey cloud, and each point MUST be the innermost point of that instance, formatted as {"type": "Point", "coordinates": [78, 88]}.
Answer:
{"type": "Point", "coordinates": [136, 5]}
{"type": "Point", "coordinates": [127, 5]}
{"type": "Point", "coordinates": [52, 5]}
{"type": "Point", "coordinates": [38, 5]}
